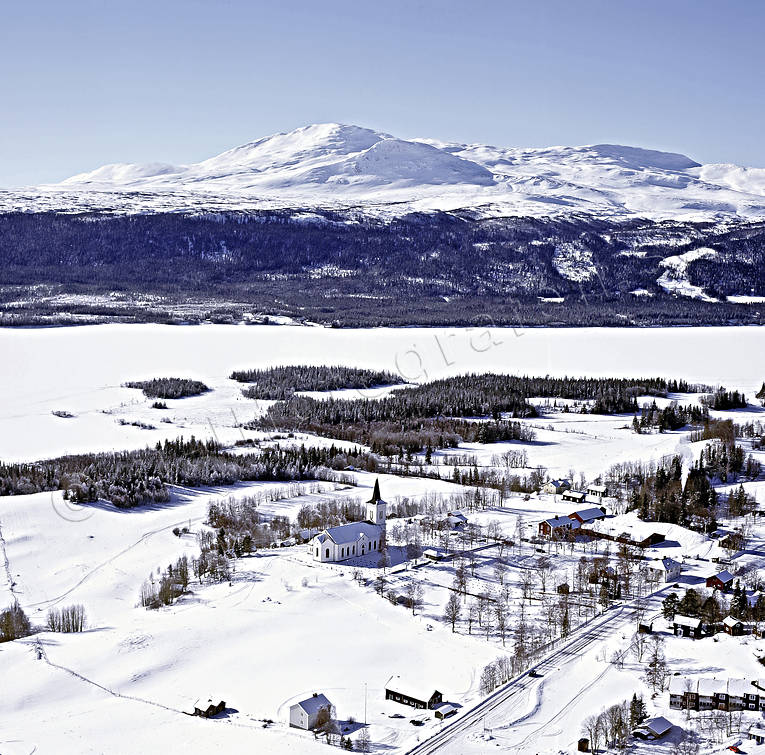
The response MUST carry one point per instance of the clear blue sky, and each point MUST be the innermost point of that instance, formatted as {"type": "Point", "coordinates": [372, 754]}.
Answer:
{"type": "Point", "coordinates": [87, 83]}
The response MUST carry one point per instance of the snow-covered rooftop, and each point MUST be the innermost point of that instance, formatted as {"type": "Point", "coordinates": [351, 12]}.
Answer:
{"type": "Point", "coordinates": [350, 533]}
{"type": "Point", "coordinates": [589, 515]}
{"type": "Point", "coordinates": [312, 705]}
{"type": "Point", "coordinates": [415, 688]}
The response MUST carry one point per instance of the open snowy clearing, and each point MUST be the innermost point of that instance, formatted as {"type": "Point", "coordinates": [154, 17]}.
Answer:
{"type": "Point", "coordinates": [80, 370]}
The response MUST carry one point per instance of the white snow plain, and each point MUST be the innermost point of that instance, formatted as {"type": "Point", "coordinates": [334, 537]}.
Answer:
{"type": "Point", "coordinates": [80, 370]}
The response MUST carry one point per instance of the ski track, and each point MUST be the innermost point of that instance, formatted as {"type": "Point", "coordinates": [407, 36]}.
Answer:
{"type": "Point", "coordinates": [86, 577]}
{"type": "Point", "coordinates": [7, 565]}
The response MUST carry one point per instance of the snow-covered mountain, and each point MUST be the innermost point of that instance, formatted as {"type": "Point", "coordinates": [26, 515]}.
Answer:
{"type": "Point", "coordinates": [341, 165]}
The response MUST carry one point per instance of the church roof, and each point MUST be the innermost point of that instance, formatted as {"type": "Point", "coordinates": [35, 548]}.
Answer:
{"type": "Point", "coordinates": [350, 533]}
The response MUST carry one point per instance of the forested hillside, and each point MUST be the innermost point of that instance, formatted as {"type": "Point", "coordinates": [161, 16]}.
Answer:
{"type": "Point", "coordinates": [349, 270]}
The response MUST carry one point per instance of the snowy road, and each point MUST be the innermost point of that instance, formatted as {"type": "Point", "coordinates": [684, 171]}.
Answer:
{"type": "Point", "coordinates": [510, 703]}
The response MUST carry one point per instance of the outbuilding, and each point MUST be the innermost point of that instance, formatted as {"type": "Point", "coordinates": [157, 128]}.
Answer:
{"type": "Point", "coordinates": [733, 626]}
{"type": "Point", "coordinates": [575, 496]}
{"type": "Point", "coordinates": [444, 710]}
{"type": "Point", "coordinates": [207, 707]}
{"type": "Point", "coordinates": [686, 626]}
{"type": "Point", "coordinates": [654, 728]}
{"type": "Point", "coordinates": [585, 516]}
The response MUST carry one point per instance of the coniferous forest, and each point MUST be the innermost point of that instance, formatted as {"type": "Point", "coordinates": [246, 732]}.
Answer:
{"type": "Point", "coordinates": [439, 268]}
{"type": "Point", "coordinates": [277, 383]}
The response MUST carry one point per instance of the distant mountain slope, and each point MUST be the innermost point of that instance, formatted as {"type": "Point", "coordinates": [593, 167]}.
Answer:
{"type": "Point", "coordinates": [341, 166]}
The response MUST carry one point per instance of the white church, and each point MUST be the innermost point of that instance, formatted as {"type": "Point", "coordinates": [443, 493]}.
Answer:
{"type": "Point", "coordinates": [355, 539]}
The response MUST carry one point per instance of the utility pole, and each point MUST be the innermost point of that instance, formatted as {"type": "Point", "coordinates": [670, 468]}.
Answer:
{"type": "Point", "coordinates": [365, 703]}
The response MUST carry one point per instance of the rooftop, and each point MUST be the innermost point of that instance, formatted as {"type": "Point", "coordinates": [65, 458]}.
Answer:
{"type": "Point", "coordinates": [350, 533]}
{"type": "Point", "coordinates": [410, 687]}
{"type": "Point", "coordinates": [312, 705]}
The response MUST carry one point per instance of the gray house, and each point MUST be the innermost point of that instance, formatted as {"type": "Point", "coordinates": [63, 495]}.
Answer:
{"type": "Point", "coordinates": [311, 712]}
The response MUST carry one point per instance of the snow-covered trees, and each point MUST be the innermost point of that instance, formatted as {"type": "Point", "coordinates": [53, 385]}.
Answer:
{"type": "Point", "coordinates": [452, 610]}
{"type": "Point", "coordinates": [495, 674]}
{"type": "Point", "coordinates": [279, 383]}
{"type": "Point", "coordinates": [670, 606]}
{"type": "Point", "coordinates": [656, 665]}
{"type": "Point", "coordinates": [172, 387]}
{"type": "Point", "coordinates": [132, 478]}
{"type": "Point", "coordinates": [14, 623]}
{"type": "Point", "coordinates": [414, 595]}
{"type": "Point", "coordinates": [363, 742]}
{"type": "Point", "coordinates": [67, 619]}
{"type": "Point", "coordinates": [612, 726]}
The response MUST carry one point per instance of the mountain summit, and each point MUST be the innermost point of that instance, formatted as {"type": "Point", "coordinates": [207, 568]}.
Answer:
{"type": "Point", "coordinates": [345, 165]}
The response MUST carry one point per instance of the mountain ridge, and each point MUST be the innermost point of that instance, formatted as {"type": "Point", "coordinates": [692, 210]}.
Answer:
{"type": "Point", "coordinates": [342, 165]}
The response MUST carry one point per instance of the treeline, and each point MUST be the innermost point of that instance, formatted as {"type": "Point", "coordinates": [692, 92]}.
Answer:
{"type": "Point", "coordinates": [712, 608]}
{"type": "Point", "coordinates": [401, 439]}
{"type": "Point", "coordinates": [659, 494]}
{"type": "Point", "coordinates": [671, 417]}
{"type": "Point", "coordinates": [132, 478]}
{"type": "Point", "coordinates": [279, 383]}
{"type": "Point", "coordinates": [171, 387]}
{"type": "Point", "coordinates": [721, 400]}
{"type": "Point", "coordinates": [442, 413]}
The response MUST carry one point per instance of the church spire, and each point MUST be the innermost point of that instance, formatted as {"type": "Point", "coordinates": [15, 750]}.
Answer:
{"type": "Point", "coordinates": [376, 494]}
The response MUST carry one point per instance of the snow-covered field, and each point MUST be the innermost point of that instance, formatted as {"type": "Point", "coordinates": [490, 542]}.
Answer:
{"type": "Point", "coordinates": [80, 370]}
{"type": "Point", "coordinates": [285, 626]}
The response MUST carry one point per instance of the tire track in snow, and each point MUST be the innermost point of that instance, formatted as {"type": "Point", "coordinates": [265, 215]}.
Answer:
{"type": "Point", "coordinates": [7, 565]}
{"type": "Point", "coordinates": [43, 655]}
{"type": "Point", "coordinates": [95, 569]}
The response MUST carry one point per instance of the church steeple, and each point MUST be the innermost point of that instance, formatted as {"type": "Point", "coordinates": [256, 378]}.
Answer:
{"type": "Point", "coordinates": [376, 507]}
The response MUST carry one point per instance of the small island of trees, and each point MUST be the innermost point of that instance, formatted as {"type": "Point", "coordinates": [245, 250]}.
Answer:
{"type": "Point", "coordinates": [171, 387]}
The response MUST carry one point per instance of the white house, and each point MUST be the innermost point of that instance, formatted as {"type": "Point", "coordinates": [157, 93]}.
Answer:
{"type": "Point", "coordinates": [311, 712]}
{"type": "Point", "coordinates": [355, 539]}
{"type": "Point", "coordinates": [555, 487]}
{"type": "Point", "coordinates": [666, 570]}
{"type": "Point", "coordinates": [597, 491]}
{"type": "Point", "coordinates": [456, 520]}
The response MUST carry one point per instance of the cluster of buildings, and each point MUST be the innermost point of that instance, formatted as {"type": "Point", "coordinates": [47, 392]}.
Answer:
{"type": "Point", "coordinates": [317, 709]}
{"type": "Point", "coordinates": [716, 694]}
{"type": "Point", "coordinates": [563, 488]}
{"type": "Point", "coordinates": [556, 527]}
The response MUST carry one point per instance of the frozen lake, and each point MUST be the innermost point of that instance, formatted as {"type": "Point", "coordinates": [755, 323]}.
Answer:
{"type": "Point", "coordinates": [81, 369]}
